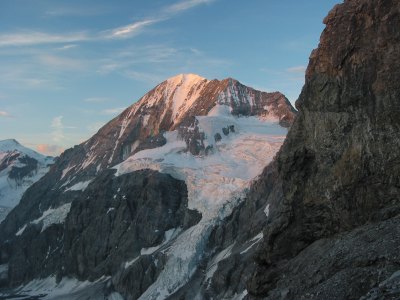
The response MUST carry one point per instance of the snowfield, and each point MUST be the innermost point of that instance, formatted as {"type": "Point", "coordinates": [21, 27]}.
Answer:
{"type": "Point", "coordinates": [215, 182]}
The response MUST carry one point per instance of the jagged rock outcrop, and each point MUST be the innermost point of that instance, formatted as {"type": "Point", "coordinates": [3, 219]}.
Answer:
{"type": "Point", "coordinates": [338, 169]}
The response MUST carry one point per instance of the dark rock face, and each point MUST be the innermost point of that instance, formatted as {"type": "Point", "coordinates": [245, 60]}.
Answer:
{"type": "Point", "coordinates": [113, 224]}
{"type": "Point", "coordinates": [350, 265]}
{"type": "Point", "coordinates": [30, 166]}
{"type": "Point", "coordinates": [328, 206]}
{"type": "Point", "coordinates": [338, 167]}
{"type": "Point", "coordinates": [108, 225]}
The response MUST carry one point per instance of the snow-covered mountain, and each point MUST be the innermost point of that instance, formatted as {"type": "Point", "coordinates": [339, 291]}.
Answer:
{"type": "Point", "coordinates": [169, 199]}
{"type": "Point", "coordinates": [20, 167]}
{"type": "Point", "coordinates": [143, 195]}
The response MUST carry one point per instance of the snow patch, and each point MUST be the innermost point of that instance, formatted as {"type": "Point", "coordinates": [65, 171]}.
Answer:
{"type": "Point", "coordinates": [80, 186]}
{"type": "Point", "coordinates": [66, 289]}
{"type": "Point", "coordinates": [266, 210]}
{"type": "Point", "coordinates": [145, 120]}
{"type": "Point", "coordinates": [66, 170]}
{"type": "Point", "coordinates": [213, 265]}
{"type": "Point", "coordinates": [53, 216]}
{"type": "Point", "coordinates": [240, 296]}
{"type": "Point", "coordinates": [131, 262]}
{"type": "Point", "coordinates": [254, 241]}
{"type": "Point", "coordinates": [19, 232]}
{"type": "Point", "coordinates": [168, 235]}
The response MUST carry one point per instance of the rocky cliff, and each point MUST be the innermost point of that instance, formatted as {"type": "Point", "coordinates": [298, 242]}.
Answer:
{"type": "Point", "coordinates": [328, 206]}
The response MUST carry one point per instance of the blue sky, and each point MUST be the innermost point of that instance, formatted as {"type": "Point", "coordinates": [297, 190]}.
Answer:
{"type": "Point", "coordinates": [68, 67]}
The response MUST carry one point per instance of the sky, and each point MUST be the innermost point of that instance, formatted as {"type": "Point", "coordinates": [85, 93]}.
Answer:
{"type": "Point", "coordinates": [67, 67]}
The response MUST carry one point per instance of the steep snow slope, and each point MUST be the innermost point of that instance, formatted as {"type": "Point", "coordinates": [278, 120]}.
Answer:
{"type": "Point", "coordinates": [20, 167]}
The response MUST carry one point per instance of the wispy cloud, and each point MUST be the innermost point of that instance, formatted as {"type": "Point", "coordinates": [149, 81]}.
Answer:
{"type": "Point", "coordinates": [37, 38]}
{"type": "Point", "coordinates": [67, 47]}
{"type": "Point", "coordinates": [297, 69]}
{"type": "Point", "coordinates": [58, 128]}
{"type": "Point", "coordinates": [113, 111]}
{"type": "Point", "coordinates": [4, 114]}
{"type": "Point", "coordinates": [60, 62]}
{"type": "Point", "coordinates": [27, 38]}
{"type": "Point", "coordinates": [185, 5]}
{"type": "Point", "coordinates": [47, 149]}
{"type": "Point", "coordinates": [25, 76]}
{"type": "Point", "coordinates": [130, 29]}
{"type": "Point", "coordinates": [76, 11]}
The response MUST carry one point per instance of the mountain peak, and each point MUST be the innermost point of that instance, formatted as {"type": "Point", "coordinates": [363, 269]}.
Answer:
{"type": "Point", "coordinates": [185, 78]}
{"type": "Point", "coordinates": [9, 145]}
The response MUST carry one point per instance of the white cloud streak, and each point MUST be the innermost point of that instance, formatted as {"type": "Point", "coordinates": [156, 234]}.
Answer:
{"type": "Point", "coordinates": [28, 38]}
{"type": "Point", "coordinates": [185, 5]}
{"type": "Point", "coordinates": [59, 62]}
{"type": "Point", "coordinates": [4, 114]}
{"type": "Point", "coordinates": [76, 11]}
{"type": "Point", "coordinates": [67, 47]}
{"type": "Point", "coordinates": [58, 129]}
{"type": "Point", "coordinates": [130, 30]}
{"type": "Point", "coordinates": [37, 38]}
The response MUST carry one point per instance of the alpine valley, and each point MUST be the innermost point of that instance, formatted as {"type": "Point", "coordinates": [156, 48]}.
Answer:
{"type": "Point", "coordinates": [208, 189]}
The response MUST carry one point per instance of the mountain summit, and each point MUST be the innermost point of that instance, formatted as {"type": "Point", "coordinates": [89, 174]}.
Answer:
{"type": "Point", "coordinates": [172, 105]}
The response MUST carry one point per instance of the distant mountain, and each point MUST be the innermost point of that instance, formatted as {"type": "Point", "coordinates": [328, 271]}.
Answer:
{"type": "Point", "coordinates": [20, 167]}
{"type": "Point", "coordinates": [159, 176]}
